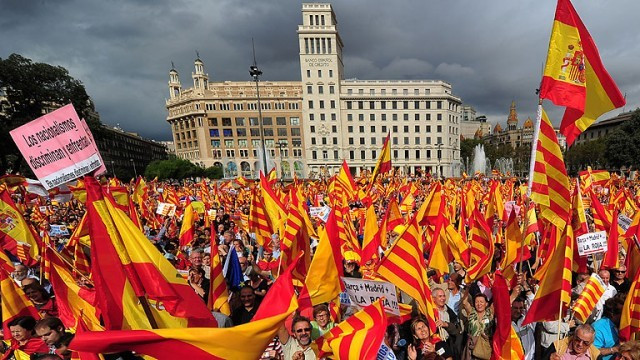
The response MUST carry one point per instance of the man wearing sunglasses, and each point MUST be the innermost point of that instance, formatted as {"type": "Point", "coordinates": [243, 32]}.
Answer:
{"type": "Point", "coordinates": [577, 347]}
{"type": "Point", "coordinates": [299, 346]}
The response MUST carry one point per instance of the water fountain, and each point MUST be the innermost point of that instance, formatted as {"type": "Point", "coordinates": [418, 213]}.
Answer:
{"type": "Point", "coordinates": [479, 160]}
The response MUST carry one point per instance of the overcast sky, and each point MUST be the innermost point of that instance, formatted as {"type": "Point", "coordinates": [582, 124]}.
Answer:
{"type": "Point", "coordinates": [491, 51]}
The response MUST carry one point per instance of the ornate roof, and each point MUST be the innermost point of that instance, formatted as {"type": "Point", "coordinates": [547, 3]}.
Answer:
{"type": "Point", "coordinates": [497, 129]}
{"type": "Point", "coordinates": [528, 124]}
{"type": "Point", "coordinates": [478, 134]}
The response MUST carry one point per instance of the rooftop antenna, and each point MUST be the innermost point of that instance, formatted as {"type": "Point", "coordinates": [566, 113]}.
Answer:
{"type": "Point", "coordinates": [173, 66]}
{"type": "Point", "coordinates": [197, 54]}
{"type": "Point", "coordinates": [253, 46]}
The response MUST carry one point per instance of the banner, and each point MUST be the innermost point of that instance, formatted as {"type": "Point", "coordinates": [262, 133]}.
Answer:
{"type": "Point", "coordinates": [363, 293]}
{"type": "Point", "coordinates": [103, 168]}
{"type": "Point", "coordinates": [58, 230]}
{"type": "Point", "coordinates": [57, 147]}
{"type": "Point", "coordinates": [592, 243]}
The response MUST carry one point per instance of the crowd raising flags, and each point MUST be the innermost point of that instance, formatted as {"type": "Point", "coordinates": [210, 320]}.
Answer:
{"type": "Point", "coordinates": [378, 266]}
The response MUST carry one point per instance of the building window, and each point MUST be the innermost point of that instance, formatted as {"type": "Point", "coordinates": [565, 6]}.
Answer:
{"type": "Point", "coordinates": [226, 121]}
{"type": "Point", "coordinates": [350, 129]}
{"type": "Point", "coordinates": [281, 121]}
{"type": "Point", "coordinates": [282, 131]}
{"type": "Point", "coordinates": [439, 128]}
{"type": "Point", "coordinates": [228, 143]}
{"type": "Point", "coordinates": [320, 88]}
{"type": "Point", "coordinates": [439, 117]}
{"type": "Point", "coordinates": [361, 141]}
{"type": "Point", "coordinates": [313, 141]}
{"type": "Point", "coordinates": [335, 141]}
{"type": "Point", "coordinates": [227, 132]}
{"type": "Point", "coordinates": [314, 155]}
{"type": "Point", "coordinates": [214, 132]}
{"type": "Point", "coordinates": [332, 88]}
{"type": "Point", "coordinates": [310, 104]}
{"type": "Point", "coordinates": [255, 132]}
{"type": "Point", "coordinates": [312, 129]}
{"type": "Point", "coordinates": [307, 42]}
{"type": "Point", "coordinates": [333, 104]}
{"type": "Point", "coordinates": [361, 117]}
{"type": "Point", "coordinates": [325, 154]}
{"type": "Point", "coordinates": [295, 132]}
{"type": "Point", "coordinates": [321, 104]}
{"type": "Point", "coordinates": [241, 132]}
{"type": "Point", "coordinates": [294, 121]}
{"type": "Point", "coordinates": [352, 155]}
{"type": "Point", "coordinates": [349, 105]}
{"type": "Point", "coordinates": [373, 140]}
{"type": "Point", "coordinates": [268, 132]}
{"type": "Point", "coordinates": [349, 117]}
{"type": "Point", "coordinates": [334, 128]}
{"type": "Point", "coordinates": [330, 71]}
{"type": "Point", "coordinates": [362, 155]}
{"type": "Point", "coordinates": [267, 121]}
{"type": "Point", "coordinates": [439, 104]}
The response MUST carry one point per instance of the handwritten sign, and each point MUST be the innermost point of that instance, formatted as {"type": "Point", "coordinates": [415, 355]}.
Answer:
{"type": "Point", "coordinates": [321, 212]}
{"type": "Point", "coordinates": [592, 243]}
{"type": "Point", "coordinates": [362, 293]}
{"type": "Point", "coordinates": [166, 209]}
{"type": "Point", "coordinates": [57, 147]}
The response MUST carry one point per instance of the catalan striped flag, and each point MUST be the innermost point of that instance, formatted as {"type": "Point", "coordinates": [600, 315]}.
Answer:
{"type": "Point", "coordinates": [370, 242]}
{"type": "Point", "coordinates": [574, 75]}
{"type": "Point", "coordinates": [550, 183]}
{"type": "Point", "coordinates": [218, 297]}
{"type": "Point", "coordinates": [630, 319]}
{"type": "Point", "coordinates": [514, 246]}
{"type": "Point", "coordinates": [246, 341]}
{"type": "Point", "coordinates": [296, 239]}
{"type": "Point", "coordinates": [383, 165]}
{"type": "Point", "coordinates": [358, 337]}
{"type": "Point", "coordinates": [495, 208]}
{"type": "Point", "coordinates": [611, 259]}
{"type": "Point", "coordinates": [404, 266]}
{"type": "Point", "coordinates": [506, 344]}
{"type": "Point", "coordinates": [259, 221]}
{"type": "Point", "coordinates": [602, 218]}
{"type": "Point", "coordinates": [482, 248]}
{"type": "Point", "coordinates": [187, 229]}
{"type": "Point", "coordinates": [555, 286]}
{"type": "Point", "coordinates": [586, 302]}
{"type": "Point", "coordinates": [430, 208]}
{"type": "Point", "coordinates": [590, 177]}
{"type": "Point", "coordinates": [274, 208]}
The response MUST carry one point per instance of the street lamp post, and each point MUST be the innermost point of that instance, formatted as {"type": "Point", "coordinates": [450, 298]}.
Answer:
{"type": "Point", "coordinates": [134, 167]}
{"type": "Point", "coordinates": [255, 73]}
{"type": "Point", "coordinates": [438, 171]}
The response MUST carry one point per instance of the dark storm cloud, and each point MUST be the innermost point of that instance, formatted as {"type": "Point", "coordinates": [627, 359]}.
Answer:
{"type": "Point", "coordinates": [491, 51]}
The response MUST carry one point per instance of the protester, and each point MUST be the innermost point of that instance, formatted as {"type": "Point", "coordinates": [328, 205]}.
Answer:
{"type": "Point", "coordinates": [247, 308]}
{"type": "Point", "coordinates": [23, 338]}
{"type": "Point", "coordinates": [578, 346]}
{"type": "Point", "coordinates": [321, 321]}
{"type": "Point", "coordinates": [299, 346]}
{"type": "Point", "coordinates": [424, 345]}
{"type": "Point", "coordinates": [52, 332]}
{"type": "Point", "coordinates": [606, 328]}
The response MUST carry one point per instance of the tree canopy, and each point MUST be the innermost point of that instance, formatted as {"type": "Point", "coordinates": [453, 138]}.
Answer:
{"type": "Point", "coordinates": [180, 169]}
{"type": "Point", "coordinates": [31, 89]}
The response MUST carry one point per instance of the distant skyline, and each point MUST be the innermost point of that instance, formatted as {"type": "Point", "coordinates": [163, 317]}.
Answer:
{"type": "Point", "coordinates": [492, 52]}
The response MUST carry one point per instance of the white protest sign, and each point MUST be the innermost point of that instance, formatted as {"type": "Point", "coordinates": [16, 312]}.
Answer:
{"type": "Point", "coordinates": [362, 293]}
{"type": "Point", "coordinates": [166, 209]}
{"type": "Point", "coordinates": [509, 206]}
{"type": "Point", "coordinates": [57, 147]}
{"type": "Point", "coordinates": [320, 212]}
{"type": "Point", "coordinates": [624, 222]}
{"type": "Point", "coordinates": [592, 243]}
{"type": "Point", "coordinates": [58, 230]}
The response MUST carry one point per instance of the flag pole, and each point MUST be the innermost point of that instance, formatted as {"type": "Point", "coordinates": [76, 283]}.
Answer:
{"type": "Point", "coordinates": [559, 319]}
{"type": "Point", "coordinates": [70, 264]}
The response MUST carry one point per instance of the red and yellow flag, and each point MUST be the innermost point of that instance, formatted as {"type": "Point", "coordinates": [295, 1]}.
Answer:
{"type": "Point", "coordinates": [187, 229]}
{"type": "Point", "coordinates": [14, 303]}
{"type": "Point", "coordinates": [383, 165]}
{"type": "Point", "coordinates": [247, 341]}
{"type": "Point", "coordinates": [586, 302]}
{"type": "Point", "coordinates": [127, 267]}
{"type": "Point", "coordinates": [15, 233]}
{"type": "Point", "coordinates": [630, 319]}
{"type": "Point", "coordinates": [358, 337]}
{"type": "Point", "coordinates": [550, 186]}
{"type": "Point", "coordinates": [482, 248]}
{"type": "Point", "coordinates": [218, 297]}
{"type": "Point", "coordinates": [574, 75]}
{"type": "Point", "coordinates": [74, 302]}
{"type": "Point", "coordinates": [404, 266]}
{"type": "Point", "coordinates": [506, 344]}
{"type": "Point", "coordinates": [555, 286]}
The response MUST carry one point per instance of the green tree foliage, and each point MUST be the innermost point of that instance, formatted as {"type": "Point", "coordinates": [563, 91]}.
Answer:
{"type": "Point", "coordinates": [466, 148]}
{"type": "Point", "coordinates": [578, 157]}
{"type": "Point", "coordinates": [621, 150]}
{"type": "Point", "coordinates": [179, 169]}
{"type": "Point", "coordinates": [30, 89]}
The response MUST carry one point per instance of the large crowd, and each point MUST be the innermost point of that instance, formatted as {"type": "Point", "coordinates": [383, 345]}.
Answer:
{"type": "Point", "coordinates": [465, 312]}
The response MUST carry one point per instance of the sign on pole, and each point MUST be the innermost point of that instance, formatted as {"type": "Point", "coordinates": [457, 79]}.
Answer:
{"type": "Point", "coordinates": [57, 147]}
{"type": "Point", "coordinates": [166, 209]}
{"type": "Point", "coordinates": [362, 293]}
{"type": "Point", "coordinates": [592, 243]}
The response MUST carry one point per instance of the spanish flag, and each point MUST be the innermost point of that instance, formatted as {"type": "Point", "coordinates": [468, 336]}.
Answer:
{"type": "Point", "coordinates": [75, 303]}
{"type": "Point", "coordinates": [188, 222]}
{"type": "Point", "coordinates": [358, 337]}
{"type": "Point", "coordinates": [574, 75]}
{"type": "Point", "coordinates": [384, 161]}
{"type": "Point", "coordinates": [218, 297]}
{"type": "Point", "coordinates": [15, 231]}
{"type": "Point", "coordinates": [126, 268]}
{"type": "Point", "coordinates": [246, 341]}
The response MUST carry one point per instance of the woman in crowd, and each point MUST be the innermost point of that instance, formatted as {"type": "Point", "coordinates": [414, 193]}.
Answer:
{"type": "Point", "coordinates": [45, 303]}
{"type": "Point", "coordinates": [424, 346]}
{"type": "Point", "coordinates": [23, 339]}
{"type": "Point", "coordinates": [479, 326]}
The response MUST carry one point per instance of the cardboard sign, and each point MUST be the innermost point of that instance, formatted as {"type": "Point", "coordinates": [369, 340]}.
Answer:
{"type": "Point", "coordinates": [624, 222]}
{"type": "Point", "coordinates": [321, 213]}
{"type": "Point", "coordinates": [166, 209]}
{"type": "Point", "coordinates": [58, 230]}
{"type": "Point", "coordinates": [102, 169]}
{"type": "Point", "coordinates": [362, 293]}
{"type": "Point", "coordinates": [592, 243]}
{"type": "Point", "coordinates": [57, 147]}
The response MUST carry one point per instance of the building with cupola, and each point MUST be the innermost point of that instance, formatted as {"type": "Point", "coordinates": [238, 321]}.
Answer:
{"type": "Point", "coordinates": [516, 135]}
{"type": "Point", "coordinates": [310, 126]}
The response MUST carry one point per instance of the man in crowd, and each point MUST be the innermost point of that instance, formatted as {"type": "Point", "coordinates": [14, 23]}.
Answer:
{"type": "Point", "coordinates": [299, 346]}
{"type": "Point", "coordinates": [577, 347]}
{"type": "Point", "coordinates": [245, 312]}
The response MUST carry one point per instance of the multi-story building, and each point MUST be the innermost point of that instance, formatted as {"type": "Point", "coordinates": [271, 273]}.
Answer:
{"type": "Point", "coordinates": [217, 124]}
{"type": "Point", "coordinates": [324, 118]}
{"type": "Point", "coordinates": [602, 128]}
{"type": "Point", "coordinates": [126, 154]}
{"type": "Point", "coordinates": [472, 126]}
